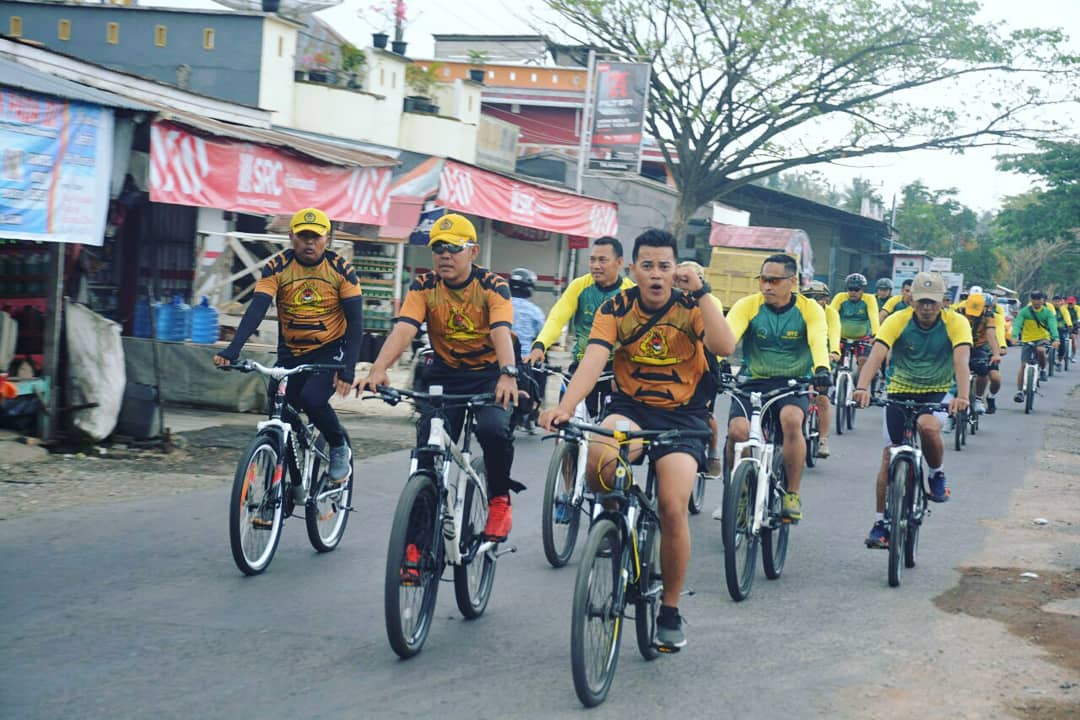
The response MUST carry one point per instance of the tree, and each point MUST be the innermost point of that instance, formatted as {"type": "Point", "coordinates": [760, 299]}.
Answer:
{"type": "Point", "coordinates": [742, 89]}
{"type": "Point", "coordinates": [934, 220]}
{"type": "Point", "coordinates": [812, 185]}
{"type": "Point", "coordinates": [1050, 213]}
{"type": "Point", "coordinates": [861, 189]}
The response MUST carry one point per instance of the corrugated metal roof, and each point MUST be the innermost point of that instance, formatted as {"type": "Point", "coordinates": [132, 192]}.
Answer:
{"type": "Point", "coordinates": [754, 238]}
{"type": "Point", "coordinates": [16, 75]}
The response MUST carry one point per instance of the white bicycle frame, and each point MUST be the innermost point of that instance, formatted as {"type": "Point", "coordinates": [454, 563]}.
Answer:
{"type": "Point", "coordinates": [581, 414]}
{"type": "Point", "coordinates": [1034, 352]}
{"type": "Point", "coordinates": [761, 455]}
{"type": "Point", "coordinates": [451, 481]}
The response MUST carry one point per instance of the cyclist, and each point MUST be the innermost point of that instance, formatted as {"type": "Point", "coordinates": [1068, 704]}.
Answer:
{"type": "Point", "coordinates": [985, 350]}
{"type": "Point", "coordinates": [929, 347]}
{"type": "Point", "coordinates": [320, 320]}
{"type": "Point", "coordinates": [1034, 323]}
{"type": "Point", "coordinates": [858, 312]}
{"type": "Point", "coordinates": [660, 336]}
{"type": "Point", "coordinates": [1001, 323]}
{"type": "Point", "coordinates": [897, 302]}
{"type": "Point", "coordinates": [1074, 312]}
{"type": "Point", "coordinates": [1065, 322]}
{"type": "Point", "coordinates": [819, 292]}
{"type": "Point", "coordinates": [715, 465]}
{"type": "Point", "coordinates": [784, 335]}
{"type": "Point", "coordinates": [469, 314]}
{"type": "Point", "coordinates": [528, 319]}
{"type": "Point", "coordinates": [882, 290]}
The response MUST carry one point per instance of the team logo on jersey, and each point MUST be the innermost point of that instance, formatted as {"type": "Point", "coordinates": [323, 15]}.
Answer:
{"type": "Point", "coordinates": [653, 350]}
{"type": "Point", "coordinates": [308, 298]}
{"type": "Point", "coordinates": [460, 326]}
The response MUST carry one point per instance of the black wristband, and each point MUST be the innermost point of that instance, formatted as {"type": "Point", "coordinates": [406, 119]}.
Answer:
{"type": "Point", "coordinates": [702, 291]}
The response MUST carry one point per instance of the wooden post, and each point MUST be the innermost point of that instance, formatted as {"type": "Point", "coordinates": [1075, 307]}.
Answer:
{"type": "Point", "coordinates": [54, 315]}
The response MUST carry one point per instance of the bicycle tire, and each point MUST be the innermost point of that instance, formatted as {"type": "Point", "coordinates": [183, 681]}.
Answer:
{"type": "Point", "coordinates": [960, 425]}
{"type": "Point", "coordinates": [563, 462]}
{"type": "Point", "coordinates": [813, 436]}
{"type": "Point", "coordinates": [842, 381]}
{"type": "Point", "coordinates": [916, 501]}
{"type": "Point", "coordinates": [896, 516]}
{"type": "Point", "coordinates": [259, 469]}
{"type": "Point", "coordinates": [1051, 361]}
{"type": "Point", "coordinates": [415, 518]}
{"type": "Point", "coordinates": [327, 517]}
{"type": "Point", "coordinates": [849, 412]}
{"type": "Point", "coordinates": [1030, 376]}
{"type": "Point", "coordinates": [473, 582]}
{"type": "Point", "coordinates": [650, 586]}
{"type": "Point", "coordinates": [592, 680]}
{"type": "Point", "coordinates": [697, 495]}
{"type": "Point", "coordinates": [740, 543]}
{"type": "Point", "coordinates": [774, 540]}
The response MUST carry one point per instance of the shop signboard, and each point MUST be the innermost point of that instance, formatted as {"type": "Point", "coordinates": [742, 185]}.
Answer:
{"type": "Point", "coordinates": [55, 166]}
{"type": "Point", "coordinates": [215, 172]}
{"type": "Point", "coordinates": [622, 94]}
{"type": "Point", "coordinates": [421, 234]}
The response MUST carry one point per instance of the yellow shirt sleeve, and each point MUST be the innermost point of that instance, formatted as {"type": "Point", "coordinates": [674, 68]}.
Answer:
{"type": "Point", "coordinates": [999, 326]}
{"type": "Point", "coordinates": [889, 331]}
{"type": "Point", "coordinates": [562, 311]}
{"type": "Point", "coordinates": [832, 319]}
{"type": "Point", "coordinates": [1067, 316]}
{"type": "Point", "coordinates": [742, 312]}
{"type": "Point", "coordinates": [958, 327]}
{"type": "Point", "coordinates": [891, 303]}
{"type": "Point", "coordinates": [838, 300]}
{"type": "Point", "coordinates": [872, 308]}
{"type": "Point", "coordinates": [817, 331]}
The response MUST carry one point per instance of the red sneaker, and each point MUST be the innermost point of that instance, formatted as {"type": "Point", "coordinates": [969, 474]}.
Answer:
{"type": "Point", "coordinates": [499, 518]}
{"type": "Point", "coordinates": [410, 571]}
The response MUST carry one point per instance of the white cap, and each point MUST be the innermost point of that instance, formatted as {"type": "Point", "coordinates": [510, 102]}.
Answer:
{"type": "Point", "coordinates": [975, 289]}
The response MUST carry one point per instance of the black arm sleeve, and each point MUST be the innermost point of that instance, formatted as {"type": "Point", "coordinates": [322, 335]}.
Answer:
{"type": "Point", "coordinates": [256, 311]}
{"type": "Point", "coordinates": [354, 332]}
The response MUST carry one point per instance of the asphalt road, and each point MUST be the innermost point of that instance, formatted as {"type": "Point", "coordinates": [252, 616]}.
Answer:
{"type": "Point", "coordinates": [136, 610]}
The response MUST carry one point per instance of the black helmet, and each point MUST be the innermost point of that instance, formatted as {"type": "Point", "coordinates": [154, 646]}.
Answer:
{"type": "Point", "coordinates": [884, 284]}
{"type": "Point", "coordinates": [523, 277]}
{"type": "Point", "coordinates": [855, 281]}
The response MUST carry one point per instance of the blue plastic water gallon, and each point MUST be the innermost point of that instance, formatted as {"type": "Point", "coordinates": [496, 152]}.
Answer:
{"type": "Point", "coordinates": [181, 319]}
{"type": "Point", "coordinates": [142, 317]}
{"type": "Point", "coordinates": [204, 322]}
{"type": "Point", "coordinates": [163, 321]}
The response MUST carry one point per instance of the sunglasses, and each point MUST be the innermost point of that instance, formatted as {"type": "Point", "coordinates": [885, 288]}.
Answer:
{"type": "Point", "coordinates": [773, 279]}
{"type": "Point", "coordinates": [444, 247]}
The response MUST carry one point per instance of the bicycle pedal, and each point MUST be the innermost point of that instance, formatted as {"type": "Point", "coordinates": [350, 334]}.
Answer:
{"type": "Point", "coordinates": [666, 649]}
{"type": "Point", "coordinates": [511, 549]}
{"type": "Point", "coordinates": [687, 591]}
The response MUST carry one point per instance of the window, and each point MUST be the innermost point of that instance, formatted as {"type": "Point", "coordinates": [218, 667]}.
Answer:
{"type": "Point", "coordinates": [112, 33]}
{"type": "Point", "coordinates": [554, 78]}
{"type": "Point", "coordinates": [382, 77]}
{"type": "Point", "coordinates": [533, 77]}
{"type": "Point", "coordinates": [470, 103]}
{"type": "Point", "coordinates": [280, 46]}
{"type": "Point", "coordinates": [208, 39]}
{"type": "Point", "coordinates": [161, 35]}
{"type": "Point", "coordinates": [513, 75]}
{"type": "Point", "coordinates": [15, 26]}
{"type": "Point", "coordinates": [491, 74]}
{"type": "Point", "coordinates": [63, 30]}
{"type": "Point", "coordinates": [577, 79]}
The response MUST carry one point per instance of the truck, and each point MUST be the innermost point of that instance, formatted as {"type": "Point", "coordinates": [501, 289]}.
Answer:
{"type": "Point", "coordinates": [738, 252]}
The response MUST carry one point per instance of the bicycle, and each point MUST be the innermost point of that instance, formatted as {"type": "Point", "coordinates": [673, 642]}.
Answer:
{"type": "Point", "coordinates": [906, 506]}
{"type": "Point", "coordinates": [620, 565]}
{"type": "Point", "coordinates": [1030, 358]}
{"type": "Point", "coordinates": [264, 494]}
{"type": "Point", "coordinates": [438, 522]}
{"type": "Point", "coordinates": [962, 421]}
{"type": "Point", "coordinates": [844, 383]}
{"type": "Point", "coordinates": [754, 494]}
{"type": "Point", "coordinates": [812, 431]}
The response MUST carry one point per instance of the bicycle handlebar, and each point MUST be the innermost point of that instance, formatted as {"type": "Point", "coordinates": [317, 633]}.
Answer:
{"type": "Point", "coordinates": [655, 437]}
{"type": "Point", "coordinates": [555, 370]}
{"type": "Point", "coordinates": [393, 396]}
{"type": "Point", "coordinates": [910, 405]}
{"type": "Point", "coordinates": [277, 373]}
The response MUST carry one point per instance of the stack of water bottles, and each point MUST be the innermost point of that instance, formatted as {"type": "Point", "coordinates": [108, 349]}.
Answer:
{"type": "Point", "coordinates": [177, 321]}
{"type": "Point", "coordinates": [204, 322]}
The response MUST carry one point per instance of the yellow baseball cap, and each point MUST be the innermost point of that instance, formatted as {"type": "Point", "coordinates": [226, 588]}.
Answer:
{"type": "Point", "coordinates": [312, 219]}
{"type": "Point", "coordinates": [454, 229]}
{"type": "Point", "coordinates": [975, 305]}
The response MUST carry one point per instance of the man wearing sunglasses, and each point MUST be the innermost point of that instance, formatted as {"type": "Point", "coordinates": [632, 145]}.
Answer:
{"type": "Point", "coordinates": [1035, 323]}
{"type": "Point", "coordinates": [469, 313]}
{"type": "Point", "coordinates": [784, 336]}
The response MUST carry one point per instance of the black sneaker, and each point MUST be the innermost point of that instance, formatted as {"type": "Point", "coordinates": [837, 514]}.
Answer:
{"type": "Point", "coordinates": [991, 405]}
{"type": "Point", "coordinates": [669, 634]}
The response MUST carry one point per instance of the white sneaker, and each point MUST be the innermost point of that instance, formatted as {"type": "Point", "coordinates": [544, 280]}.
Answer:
{"type": "Point", "coordinates": [718, 513]}
{"type": "Point", "coordinates": [979, 407]}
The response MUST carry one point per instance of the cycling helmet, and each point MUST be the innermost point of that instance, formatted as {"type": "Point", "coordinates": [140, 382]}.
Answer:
{"type": "Point", "coordinates": [1037, 295]}
{"type": "Point", "coordinates": [884, 284]}
{"type": "Point", "coordinates": [817, 289]}
{"type": "Point", "coordinates": [975, 290]}
{"type": "Point", "coordinates": [1071, 300]}
{"type": "Point", "coordinates": [523, 277]}
{"type": "Point", "coordinates": [855, 281]}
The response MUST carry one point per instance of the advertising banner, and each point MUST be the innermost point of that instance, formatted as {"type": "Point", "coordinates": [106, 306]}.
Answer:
{"type": "Point", "coordinates": [478, 192]}
{"type": "Point", "coordinates": [214, 172]}
{"type": "Point", "coordinates": [55, 164]}
{"type": "Point", "coordinates": [622, 94]}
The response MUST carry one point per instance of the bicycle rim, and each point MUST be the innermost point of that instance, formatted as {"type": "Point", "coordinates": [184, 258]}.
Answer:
{"type": "Point", "coordinates": [740, 542]}
{"type": "Point", "coordinates": [960, 422]}
{"type": "Point", "coordinates": [650, 586]}
{"type": "Point", "coordinates": [813, 437]}
{"type": "Point", "coordinates": [409, 598]}
{"type": "Point", "coordinates": [327, 513]}
{"type": "Point", "coordinates": [774, 539]}
{"type": "Point", "coordinates": [1029, 390]}
{"type": "Point", "coordinates": [596, 624]}
{"type": "Point", "coordinates": [841, 401]}
{"type": "Point", "coordinates": [697, 495]}
{"type": "Point", "coordinates": [915, 505]}
{"type": "Point", "coordinates": [473, 582]}
{"type": "Point", "coordinates": [255, 508]}
{"type": "Point", "coordinates": [559, 538]}
{"type": "Point", "coordinates": [897, 517]}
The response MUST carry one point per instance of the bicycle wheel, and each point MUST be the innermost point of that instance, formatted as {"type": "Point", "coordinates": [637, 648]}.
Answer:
{"type": "Point", "coordinates": [740, 542]}
{"type": "Point", "coordinates": [412, 584]}
{"type": "Point", "coordinates": [960, 427]}
{"type": "Point", "coordinates": [896, 516]}
{"type": "Point", "coordinates": [1030, 377]}
{"type": "Point", "coordinates": [774, 539]}
{"type": "Point", "coordinates": [650, 585]}
{"type": "Point", "coordinates": [559, 538]}
{"type": "Point", "coordinates": [327, 511]}
{"type": "Point", "coordinates": [813, 436]}
{"type": "Point", "coordinates": [849, 414]}
{"type": "Point", "coordinates": [596, 624]}
{"type": "Point", "coordinates": [697, 495]}
{"type": "Point", "coordinates": [1051, 361]}
{"type": "Point", "coordinates": [472, 582]}
{"type": "Point", "coordinates": [842, 381]}
{"type": "Point", "coordinates": [915, 501]}
{"type": "Point", "coordinates": [255, 508]}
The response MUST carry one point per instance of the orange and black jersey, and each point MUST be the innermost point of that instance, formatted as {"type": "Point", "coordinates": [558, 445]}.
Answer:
{"type": "Point", "coordinates": [309, 299]}
{"type": "Point", "coordinates": [460, 318]}
{"type": "Point", "coordinates": [662, 368]}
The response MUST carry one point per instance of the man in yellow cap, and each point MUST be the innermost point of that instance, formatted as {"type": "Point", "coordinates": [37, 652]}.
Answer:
{"type": "Point", "coordinates": [319, 321]}
{"type": "Point", "coordinates": [469, 313]}
{"type": "Point", "coordinates": [985, 350]}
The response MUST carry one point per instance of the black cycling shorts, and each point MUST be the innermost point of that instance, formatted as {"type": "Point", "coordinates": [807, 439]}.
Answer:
{"type": "Point", "coordinates": [737, 410]}
{"type": "Point", "coordinates": [652, 418]}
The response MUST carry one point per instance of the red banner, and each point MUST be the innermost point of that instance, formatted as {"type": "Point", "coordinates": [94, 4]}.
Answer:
{"type": "Point", "coordinates": [478, 192]}
{"type": "Point", "coordinates": [188, 169]}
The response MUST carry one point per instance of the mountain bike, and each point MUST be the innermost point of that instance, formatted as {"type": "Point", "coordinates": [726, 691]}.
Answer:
{"type": "Point", "coordinates": [753, 497]}
{"type": "Point", "coordinates": [1030, 386]}
{"type": "Point", "coordinates": [439, 521]}
{"type": "Point", "coordinates": [566, 494]}
{"type": "Point", "coordinates": [906, 507]}
{"type": "Point", "coordinates": [620, 565]}
{"type": "Point", "coordinates": [284, 467]}
{"type": "Point", "coordinates": [844, 383]}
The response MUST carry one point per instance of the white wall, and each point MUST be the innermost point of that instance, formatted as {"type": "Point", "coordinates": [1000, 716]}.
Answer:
{"type": "Point", "coordinates": [436, 135]}
{"type": "Point", "coordinates": [344, 113]}
{"type": "Point", "coordinates": [276, 72]}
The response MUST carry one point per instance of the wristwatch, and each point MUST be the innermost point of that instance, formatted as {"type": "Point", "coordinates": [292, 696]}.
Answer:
{"type": "Point", "coordinates": [702, 291]}
{"type": "Point", "coordinates": [510, 370]}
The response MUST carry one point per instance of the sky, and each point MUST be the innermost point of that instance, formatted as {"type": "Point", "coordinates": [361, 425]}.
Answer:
{"type": "Point", "coordinates": [981, 186]}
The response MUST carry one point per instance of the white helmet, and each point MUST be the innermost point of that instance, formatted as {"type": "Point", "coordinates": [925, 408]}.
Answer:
{"type": "Point", "coordinates": [975, 290]}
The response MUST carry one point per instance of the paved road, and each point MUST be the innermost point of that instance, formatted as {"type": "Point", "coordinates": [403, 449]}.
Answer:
{"type": "Point", "coordinates": [136, 610]}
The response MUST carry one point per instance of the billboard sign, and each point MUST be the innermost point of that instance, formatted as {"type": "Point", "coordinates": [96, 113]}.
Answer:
{"type": "Point", "coordinates": [619, 103]}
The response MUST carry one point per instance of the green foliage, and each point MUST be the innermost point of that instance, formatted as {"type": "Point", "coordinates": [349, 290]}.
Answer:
{"type": "Point", "coordinates": [934, 220]}
{"type": "Point", "coordinates": [479, 57]}
{"type": "Point", "coordinates": [1053, 212]}
{"type": "Point", "coordinates": [422, 79]}
{"type": "Point", "coordinates": [352, 57]}
{"type": "Point", "coordinates": [861, 188]}
{"type": "Point", "coordinates": [811, 185]}
{"type": "Point", "coordinates": [744, 89]}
